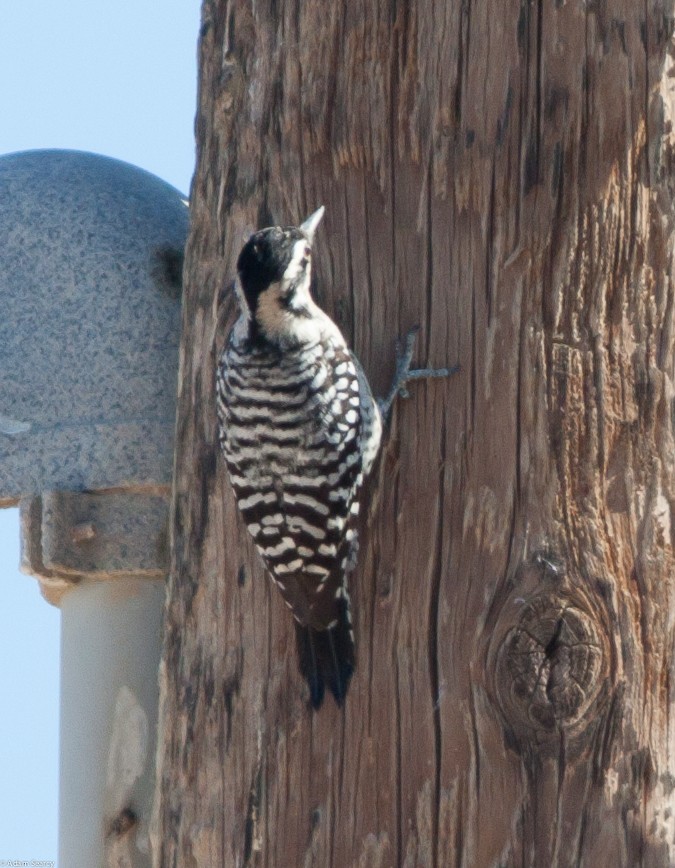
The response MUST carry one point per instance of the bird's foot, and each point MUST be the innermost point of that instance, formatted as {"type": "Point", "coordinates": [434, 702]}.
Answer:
{"type": "Point", "coordinates": [403, 374]}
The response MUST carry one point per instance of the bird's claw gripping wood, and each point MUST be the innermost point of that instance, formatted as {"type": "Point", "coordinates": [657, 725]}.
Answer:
{"type": "Point", "coordinates": [403, 374]}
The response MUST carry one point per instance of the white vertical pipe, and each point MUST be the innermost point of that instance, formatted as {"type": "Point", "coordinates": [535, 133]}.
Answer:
{"type": "Point", "coordinates": [110, 653]}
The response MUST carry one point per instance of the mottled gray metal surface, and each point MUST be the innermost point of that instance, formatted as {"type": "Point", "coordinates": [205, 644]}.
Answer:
{"type": "Point", "coordinates": [91, 256]}
{"type": "Point", "coordinates": [67, 536]}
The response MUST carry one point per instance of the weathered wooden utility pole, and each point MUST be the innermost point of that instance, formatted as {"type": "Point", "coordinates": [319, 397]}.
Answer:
{"type": "Point", "coordinates": [501, 174]}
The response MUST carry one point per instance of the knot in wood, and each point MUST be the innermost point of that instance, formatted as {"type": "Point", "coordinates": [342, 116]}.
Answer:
{"type": "Point", "coordinates": [550, 666]}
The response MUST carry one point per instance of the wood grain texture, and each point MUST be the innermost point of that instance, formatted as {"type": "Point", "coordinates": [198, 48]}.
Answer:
{"type": "Point", "coordinates": [501, 174]}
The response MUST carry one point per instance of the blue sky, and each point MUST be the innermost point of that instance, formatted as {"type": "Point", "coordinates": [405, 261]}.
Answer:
{"type": "Point", "coordinates": [117, 79]}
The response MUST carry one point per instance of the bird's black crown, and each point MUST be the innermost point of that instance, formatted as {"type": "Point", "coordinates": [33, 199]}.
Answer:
{"type": "Point", "coordinates": [264, 259]}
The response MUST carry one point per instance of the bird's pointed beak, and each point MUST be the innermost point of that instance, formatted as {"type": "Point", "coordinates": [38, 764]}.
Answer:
{"type": "Point", "coordinates": [310, 224]}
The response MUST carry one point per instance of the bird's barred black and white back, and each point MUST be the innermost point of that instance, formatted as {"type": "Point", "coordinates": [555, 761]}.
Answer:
{"type": "Point", "coordinates": [299, 430]}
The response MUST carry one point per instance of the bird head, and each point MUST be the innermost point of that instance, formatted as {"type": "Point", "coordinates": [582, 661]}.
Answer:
{"type": "Point", "coordinates": [274, 269]}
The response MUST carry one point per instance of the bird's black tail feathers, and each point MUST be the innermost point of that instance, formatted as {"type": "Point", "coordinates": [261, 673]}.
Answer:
{"type": "Point", "coordinates": [327, 658]}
